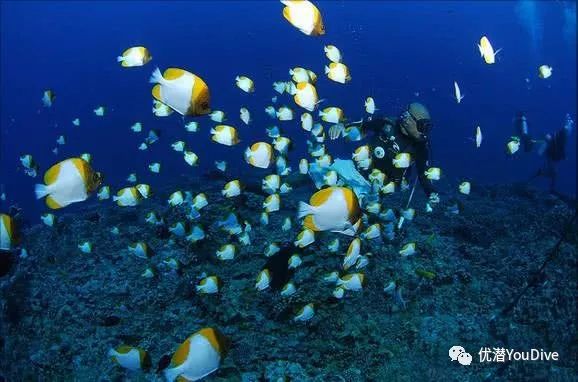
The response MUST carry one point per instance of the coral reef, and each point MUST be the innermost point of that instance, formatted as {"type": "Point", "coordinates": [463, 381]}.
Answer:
{"type": "Point", "coordinates": [63, 309]}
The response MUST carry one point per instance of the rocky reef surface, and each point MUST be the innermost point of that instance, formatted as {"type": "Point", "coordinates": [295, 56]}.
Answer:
{"type": "Point", "coordinates": [62, 310]}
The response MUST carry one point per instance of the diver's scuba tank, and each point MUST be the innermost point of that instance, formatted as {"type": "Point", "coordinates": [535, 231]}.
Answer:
{"type": "Point", "coordinates": [521, 130]}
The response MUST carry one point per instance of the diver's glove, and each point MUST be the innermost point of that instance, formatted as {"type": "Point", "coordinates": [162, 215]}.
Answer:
{"type": "Point", "coordinates": [434, 199]}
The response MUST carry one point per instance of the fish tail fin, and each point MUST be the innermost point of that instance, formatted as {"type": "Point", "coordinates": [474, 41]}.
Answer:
{"type": "Point", "coordinates": [156, 77]}
{"type": "Point", "coordinates": [41, 190]}
{"type": "Point", "coordinates": [115, 198]}
{"type": "Point", "coordinates": [304, 210]}
{"type": "Point", "coordinates": [120, 59]}
{"type": "Point", "coordinates": [327, 70]}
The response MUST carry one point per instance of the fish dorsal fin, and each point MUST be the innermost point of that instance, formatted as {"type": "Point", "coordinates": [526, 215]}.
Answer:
{"type": "Point", "coordinates": [213, 338]}
{"type": "Point", "coordinates": [173, 73]}
{"type": "Point", "coordinates": [287, 13]}
{"type": "Point", "coordinates": [52, 174]}
{"type": "Point", "coordinates": [123, 349]}
{"type": "Point", "coordinates": [321, 196]}
{"type": "Point", "coordinates": [182, 353]}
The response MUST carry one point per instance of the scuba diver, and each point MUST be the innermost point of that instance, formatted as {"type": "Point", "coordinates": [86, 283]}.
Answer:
{"type": "Point", "coordinates": [409, 133]}
{"type": "Point", "coordinates": [553, 148]}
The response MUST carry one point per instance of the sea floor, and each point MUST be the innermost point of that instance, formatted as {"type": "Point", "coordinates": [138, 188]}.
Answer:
{"type": "Point", "coordinates": [62, 310]}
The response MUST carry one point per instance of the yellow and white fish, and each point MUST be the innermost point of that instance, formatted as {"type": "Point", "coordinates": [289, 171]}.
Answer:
{"type": "Point", "coordinates": [48, 219]}
{"type": "Point", "coordinates": [306, 121]}
{"type": "Point", "coordinates": [324, 161]}
{"type": "Point", "coordinates": [86, 157]}
{"type": "Point", "coordinates": [305, 238]}
{"type": "Point", "coordinates": [271, 112]}
{"type": "Point", "coordinates": [197, 234]}
{"type": "Point", "coordinates": [264, 218]}
{"type": "Point", "coordinates": [331, 114]}
{"type": "Point", "coordinates": [271, 183]}
{"type": "Point", "coordinates": [76, 122]}
{"type": "Point", "coordinates": [85, 247]}
{"type": "Point", "coordinates": [148, 273]}
{"type": "Point", "coordinates": [99, 111]}
{"type": "Point", "coordinates": [433, 173]}
{"type": "Point", "coordinates": [144, 190]}
{"type": "Point", "coordinates": [209, 285]}
{"type": "Point", "coordinates": [232, 189]}
{"type": "Point", "coordinates": [286, 224]}
{"type": "Point", "coordinates": [103, 193]}
{"type": "Point", "coordinates": [183, 91]}
{"type": "Point", "coordinates": [306, 313]}
{"type": "Point", "coordinates": [352, 254]}
{"type": "Point", "coordinates": [284, 114]}
{"type": "Point", "coordinates": [191, 158]}
{"type": "Point", "coordinates": [161, 110]}
{"type": "Point", "coordinates": [280, 86]}
{"type": "Point", "coordinates": [140, 249]}
{"type": "Point", "coordinates": [478, 138]}
{"type": "Point", "coordinates": [294, 261]}
{"type": "Point", "coordinates": [338, 292]}
{"type": "Point", "coordinates": [263, 280]}
{"type": "Point", "coordinates": [155, 167]}
{"type": "Point", "coordinates": [137, 127]}
{"type": "Point", "coordinates": [135, 56]}
{"type": "Point", "coordinates": [457, 93]}
{"type": "Point", "coordinates": [487, 51]}
{"type": "Point", "coordinates": [179, 146]}
{"type": "Point", "coordinates": [176, 199]}
{"type": "Point", "coordinates": [372, 232]}
{"type": "Point", "coordinates": [226, 252]}
{"type": "Point", "coordinates": [334, 209]}
{"type": "Point", "coordinates": [200, 201]}
{"type": "Point", "coordinates": [221, 165]}
{"type": "Point", "coordinates": [282, 144]}
{"type": "Point", "coordinates": [408, 250]}
{"type": "Point", "coordinates": [402, 160]}
{"type": "Point", "coordinates": [373, 208]}
{"type": "Point", "coordinates": [513, 145]}
{"type": "Point", "coordinates": [245, 115]}
{"type": "Point", "coordinates": [127, 197]}
{"type": "Point", "coordinates": [408, 213]}
{"type": "Point", "coordinates": [305, 16]}
{"type": "Point", "coordinates": [48, 97]}
{"type": "Point", "coordinates": [330, 178]}
{"type": "Point", "coordinates": [465, 188]}
{"type": "Point", "coordinates": [285, 188]}
{"type": "Point", "coordinates": [332, 53]}
{"type": "Point", "coordinates": [361, 153]}
{"type": "Point", "coordinates": [130, 358]}
{"type": "Point", "coordinates": [192, 127]}
{"type": "Point", "coordinates": [333, 246]}
{"type": "Point", "coordinates": [67, 182]}
{"type": "Point", "coordinates": [245, 84]}
{"type": "Point", "coordinates": [306, 96]}
{"type": "Point", "coordinates": [545, 71]}
{"type": "Point", "coordinates": [370, 105]}
{"type": "Point", "coordinates": [200, 355]}
{"type": "Point", "coordinates": [299, 75]}
{"type": "Point", "coordinates": [152, 218]}
{"type": "Point", "coordinates": [8, 234]}
{"type": "Point", "coordinates": [338, 72]}
{"type": "Point", "coordinates": [217, 116]}
{"type": "Point", "coordinates": [61, 140]}
{"type": "Point", "coordinates": [389, 188]}
{"type": "Point", "coordinates": [288, 290]}
{"type": "Point", "coordinates": [272, 203]}
{"type": "Point", "coordinates": [303, 166]}
{"type": "Point", "coordinates": [353, 281]}
{"type": "Point", "coordinates": [178, 229]}
{"type": "Point", "coordinates": [225, 135]}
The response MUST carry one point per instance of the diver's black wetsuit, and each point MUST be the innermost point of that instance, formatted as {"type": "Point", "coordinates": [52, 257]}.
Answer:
{"type": "Point", "coordinates": [555, 152]}
{"type": "Point", "coordinates": [387, 134]}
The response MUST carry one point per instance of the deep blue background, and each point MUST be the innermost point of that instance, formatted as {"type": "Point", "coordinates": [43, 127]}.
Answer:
{"type": "Point", "coordinates": [395, 50]}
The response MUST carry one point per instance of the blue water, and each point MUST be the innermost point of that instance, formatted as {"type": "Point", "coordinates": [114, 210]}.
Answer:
{"type": "Point", "coordinates": [397, 52]}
